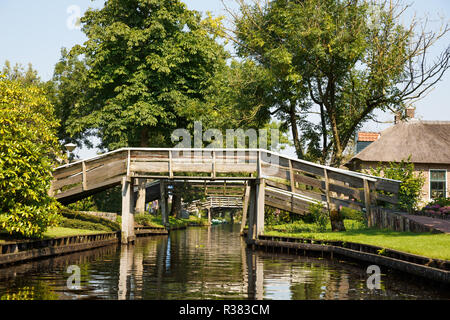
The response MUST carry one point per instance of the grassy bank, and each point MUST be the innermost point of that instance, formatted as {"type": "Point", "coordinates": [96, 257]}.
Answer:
{"type": "Point", "coordinates": [149, 220]}
{"type": "Point", "coordinates": [72, 223]}
{"type": "Point", "coordinates": [435, 246]}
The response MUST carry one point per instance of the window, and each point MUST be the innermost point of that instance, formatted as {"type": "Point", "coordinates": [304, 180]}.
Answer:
{"type": "Point", "coordinates": [438, 184]}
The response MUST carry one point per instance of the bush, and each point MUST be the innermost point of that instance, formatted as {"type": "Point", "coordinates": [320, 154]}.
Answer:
{"type": "Point", "coordinates": [85, 225]}
{"type": "Point", "coordinates": [28, 147]}
{"type": "Point", "coordinates": [411, 187]}
{"type": "Point", "coordinates": [319, 215]}
{"type": "Point", "coordinates": [74, 215]}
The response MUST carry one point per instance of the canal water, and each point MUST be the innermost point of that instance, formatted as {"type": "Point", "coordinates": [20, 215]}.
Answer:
{"type": "Point", "coordinates": [200, 263]}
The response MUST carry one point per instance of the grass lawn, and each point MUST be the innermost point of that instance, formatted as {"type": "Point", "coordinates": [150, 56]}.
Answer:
{"type": "Point", "coordinates": [424, 244]}
{"type": "Point", "coordinates": [57, 232]}
{"type": "Point", "coordinates": [149, 220]}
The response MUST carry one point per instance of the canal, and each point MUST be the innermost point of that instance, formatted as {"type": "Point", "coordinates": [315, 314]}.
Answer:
{"type": "Point", "coordinates": [201, 263]}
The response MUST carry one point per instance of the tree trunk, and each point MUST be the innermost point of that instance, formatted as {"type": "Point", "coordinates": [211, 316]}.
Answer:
{"type": "Point", "coordinates": [336, 219]}
{"type": "Point", "coordinates": [295, 135]}
{"type": "Point", "coordinates": [176, 206]}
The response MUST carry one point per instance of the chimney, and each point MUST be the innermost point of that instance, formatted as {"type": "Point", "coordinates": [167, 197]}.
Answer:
{"type": "Point", "coordinates": [410, 113]}
{"type": "Point", "coordinates": [397, 118]}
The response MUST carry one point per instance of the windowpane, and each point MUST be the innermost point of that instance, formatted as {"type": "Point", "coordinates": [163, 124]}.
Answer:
{"type": "Point", "coordinates": [438, 184]}
{"type": "Point", "coordinates": [437, 175]}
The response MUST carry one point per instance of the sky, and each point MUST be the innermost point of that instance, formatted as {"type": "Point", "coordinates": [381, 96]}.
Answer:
{"type": "Point", "coordinates": [35, 31]}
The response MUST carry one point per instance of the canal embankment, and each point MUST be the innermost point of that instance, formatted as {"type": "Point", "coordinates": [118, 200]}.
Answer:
{"type": "Point", "coordinates": [433, 269]}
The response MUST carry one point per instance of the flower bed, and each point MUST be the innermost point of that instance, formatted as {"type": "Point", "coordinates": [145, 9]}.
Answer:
{"type": "Point", "coordinates": [439, 208]}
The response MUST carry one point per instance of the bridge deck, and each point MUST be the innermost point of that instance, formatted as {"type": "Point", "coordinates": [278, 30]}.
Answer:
{"type": "Point", "coordinates": [290, 184]}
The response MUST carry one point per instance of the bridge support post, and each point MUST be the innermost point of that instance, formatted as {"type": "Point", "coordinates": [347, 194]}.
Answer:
{"type": "Point", "coordinates": [256, 210]}
{"type": "Point", "coordinates": [163, 203]}
{"type": "Point", "coordinates": [140, 201]}
{"type": "Point", "coordinates": [127, 211]}
{"type": "Point", "coordinates": [245, 206]}
{"type": "Point", "coordinates": [260, 206]}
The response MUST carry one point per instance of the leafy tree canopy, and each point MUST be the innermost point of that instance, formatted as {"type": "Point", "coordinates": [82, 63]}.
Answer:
{"type": "Point", "coordinates": [28, 147]}
{"type": "Point", "coordinates": [143, 65]}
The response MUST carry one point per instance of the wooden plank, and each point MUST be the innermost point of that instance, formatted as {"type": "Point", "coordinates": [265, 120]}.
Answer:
{"type": "Point", "coordinates": [385, 198]}
{"type": "Point", "coordinates": [58, 184]}
{"type": "Point", "coordinates": [354, 182]}
{"type": "Point", "coordinates": [92, 164]}
{"type": "Point", "coordinates": [277, 184]}
{"type": "Point", "coordinates": [65, 172]}
{"type": "Point", "coordinates": [150, 155]}
{"type": "Point", "coordinates": [309, 181]}
{"type": "Point", "coordinates": [235, 168]}
{"type": "Point", "coordinates": [107, 171]}
{"type": "Point", "coordinates": [308, 168]}
{"type": "Point", "coordinates": [272, 172]}
{"type": "Point", "coordinates": [99, 184]}
{"type": "Point", "coordinates": [148, 167]}
{"type": "Point", "coordinates": [70, 192]}
{"type": "Point", "coordinates": [389, 186]}
{"type": "Point", "coordinates": [286, 207]}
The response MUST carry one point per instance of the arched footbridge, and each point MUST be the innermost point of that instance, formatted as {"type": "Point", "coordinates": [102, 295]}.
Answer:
{"type": "Point", "coordinates": [259, 176]}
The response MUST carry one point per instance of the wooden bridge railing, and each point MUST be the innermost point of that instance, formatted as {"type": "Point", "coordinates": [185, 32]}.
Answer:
{"type": "Point", "coordinates": [321, 183]}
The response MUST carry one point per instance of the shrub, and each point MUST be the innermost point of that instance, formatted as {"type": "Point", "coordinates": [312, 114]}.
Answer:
{"type": "Point", "coordinates": [28, 145]}
{"type": "Point", "coordinates": [320, 216]}
{"type": "Point", "coordinates": [411, 187]}
{"type": "Point", "coordinates": [74, 215]}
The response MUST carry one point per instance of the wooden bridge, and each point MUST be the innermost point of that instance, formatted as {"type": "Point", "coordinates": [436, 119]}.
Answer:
{"type": "Point", "coordinates": [263, 178]}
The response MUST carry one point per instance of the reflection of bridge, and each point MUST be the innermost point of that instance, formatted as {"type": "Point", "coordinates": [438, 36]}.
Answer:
{"type": "Point", "coordinates": [264, 178]}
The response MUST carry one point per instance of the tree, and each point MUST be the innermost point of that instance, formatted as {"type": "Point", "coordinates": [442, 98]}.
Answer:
{"type": "Point", "coordinates": [340, 60]}
{"type": "Point", "coordinates": [28, 148]}
{"type": "Point", "coordinates": [18, 73]}
{"type": "Point", "coordinates": [145, 62]}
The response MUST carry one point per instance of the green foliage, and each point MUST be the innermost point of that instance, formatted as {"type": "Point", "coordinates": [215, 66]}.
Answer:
{"type": "Point", "coordinates": [143, 65]}
{"type": "Point", "coordinates": [336, 59]}
{"type": "Point", "coordinates": [74, 219]}
{"type": "Point", "coordinates": [274, 216]}
{"type": "Point", "coordinates": [412, 182]}
{"type": "Point", "coordinates": [84, 225]}
{"type": "Point", "coordinates": [28, 147]}
{"type": "Point", "coordinates": [320, 216]}
{"type": "Point", "coordinates": [86, 204]}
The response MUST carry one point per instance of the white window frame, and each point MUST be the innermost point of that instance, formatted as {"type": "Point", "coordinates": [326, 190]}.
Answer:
{"type": "Point", "coordinates": [429, 182]}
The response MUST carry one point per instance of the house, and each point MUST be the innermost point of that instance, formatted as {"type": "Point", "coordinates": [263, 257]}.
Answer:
{"type": "Point", "coordinates": [365, 139]}
{"type": "Point", "coordinates": [428, 144]}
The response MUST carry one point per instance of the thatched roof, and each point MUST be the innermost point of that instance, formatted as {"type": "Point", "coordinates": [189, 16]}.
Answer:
{"type": "Point", "coordinates": [425, 141]}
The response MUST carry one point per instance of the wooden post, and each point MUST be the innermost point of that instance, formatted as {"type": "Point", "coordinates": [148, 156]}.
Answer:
{"type": "Point", "coordinates": [245, 207]}
{"type": "Point", "coordinates": [163, 203]}
{"type": "Point", "coordinates": [140, 201]}
{"type": "Point", "coordinates": [170, 165]}
{"type": "Point", "coordinates": [367, 202]}
{"type": "Point", "coordinates": [251, 212]}
{"type": "Point", "coordinates": [327, 189]}
{"type": "Point", "coordinates": [209, 215]}
{"type": "Point", "coordinates": [213, 168]}
{"type": "Point", "coordinates": [260, 206]}
{"type": "Point", "coordinates": [84, 184]}
{"type": "Point", "coordinates": [291, 177]}
{"type": "Point", "coordinates": [127, 211]}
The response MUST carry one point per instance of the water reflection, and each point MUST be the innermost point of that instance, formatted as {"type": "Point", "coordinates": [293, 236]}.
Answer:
{"type": "Point", "coordinates": [201, 263]}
